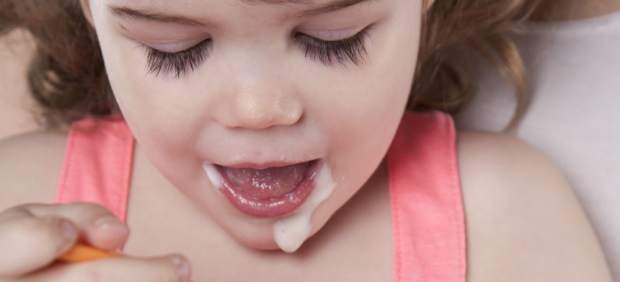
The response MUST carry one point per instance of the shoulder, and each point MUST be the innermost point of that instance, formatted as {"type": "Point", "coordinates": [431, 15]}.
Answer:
{"type": "Point", "coordinates": [30, 165]}
{"type": "Point", "coordinates": [523, 219]}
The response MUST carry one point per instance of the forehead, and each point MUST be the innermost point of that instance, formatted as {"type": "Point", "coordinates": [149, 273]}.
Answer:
{"type": "Point", "coordinates": [165, 10]}
{"type": "Point", "coordinates": [278, 1]}
{"type": "Point", "coordinates": [247, 2]}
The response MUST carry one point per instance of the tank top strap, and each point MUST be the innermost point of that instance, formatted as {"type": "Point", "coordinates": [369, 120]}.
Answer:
{"type": "Point", "coordinates": [427, 206]}
{"type": "Point", "coordinates": [97, 165]}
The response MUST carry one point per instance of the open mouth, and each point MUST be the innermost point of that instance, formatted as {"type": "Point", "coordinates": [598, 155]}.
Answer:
{"type": "Point", "coordinates": [265, 192]}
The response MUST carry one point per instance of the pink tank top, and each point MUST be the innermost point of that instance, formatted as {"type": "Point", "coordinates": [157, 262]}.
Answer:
{"type": "Point", "coordinates": [428, 222]}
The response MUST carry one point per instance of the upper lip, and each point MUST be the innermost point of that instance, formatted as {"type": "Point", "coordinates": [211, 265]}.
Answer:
{"type": "Point", "coordinates": [260, 165]}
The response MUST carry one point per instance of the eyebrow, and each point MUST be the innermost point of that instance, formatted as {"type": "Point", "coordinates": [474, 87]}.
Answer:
{"type": "Point", "coordinates": [137, 14]}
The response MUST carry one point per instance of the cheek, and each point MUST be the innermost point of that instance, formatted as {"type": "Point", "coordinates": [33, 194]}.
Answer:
{"type": "Point", "coordinates": [362, 115]}
{"type": "Point", "coordinates": [366, 102]}
{"type": "Point", "coordinates": [157, 119]}
{"type": "Point", "coordinates": [156, 109]}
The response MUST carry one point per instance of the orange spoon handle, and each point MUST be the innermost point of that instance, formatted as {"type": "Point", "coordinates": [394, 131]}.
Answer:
{"type": "Point", "coordinates": [81, 252]}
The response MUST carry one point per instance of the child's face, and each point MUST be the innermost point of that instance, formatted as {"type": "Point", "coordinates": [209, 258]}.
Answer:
{"type": "Point", "coordinates": [252, 86]}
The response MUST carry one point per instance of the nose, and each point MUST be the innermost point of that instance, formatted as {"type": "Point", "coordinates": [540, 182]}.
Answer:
{"type": "Point", "coordinates": [258, 105]}
{"type": "Point", "coordinates": [254, 90]}
{"type": "Point", "coordinates": [251, 110]}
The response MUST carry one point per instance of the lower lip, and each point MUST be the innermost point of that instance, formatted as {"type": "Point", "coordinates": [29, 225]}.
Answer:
{"type": "Point", "coordinates": [273, 207]}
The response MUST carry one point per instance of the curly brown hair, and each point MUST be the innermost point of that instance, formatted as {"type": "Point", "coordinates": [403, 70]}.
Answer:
{"type": "Point", "coordinates": [67, 77]}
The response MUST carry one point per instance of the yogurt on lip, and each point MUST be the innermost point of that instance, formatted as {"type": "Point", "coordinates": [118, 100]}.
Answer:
{"type": "Point", "coordinates": [294, 228]}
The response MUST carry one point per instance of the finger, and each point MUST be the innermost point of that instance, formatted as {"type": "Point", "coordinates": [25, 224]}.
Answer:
{"type": "Point", "coordinates": [119, 269]}
{"type": "Point", "coordinates": [28, 243]}
{"type": "Point", "coordinates": [98, 226]}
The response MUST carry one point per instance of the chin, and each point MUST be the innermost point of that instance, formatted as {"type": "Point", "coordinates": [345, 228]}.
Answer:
{"type": "Point", "coordinates": [261, 239]}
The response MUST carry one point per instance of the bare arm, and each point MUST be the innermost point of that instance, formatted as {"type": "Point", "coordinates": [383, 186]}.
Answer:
{"type": "Point", "coordinates": [30, 166]}
{"type": "Point", "coordinates": [524, 221]}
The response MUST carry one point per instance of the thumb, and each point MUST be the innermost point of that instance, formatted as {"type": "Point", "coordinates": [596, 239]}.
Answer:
{"type": "Point", "coordinates": [107, 233]}
{"type": "Point", "coordinates": [98, 227]}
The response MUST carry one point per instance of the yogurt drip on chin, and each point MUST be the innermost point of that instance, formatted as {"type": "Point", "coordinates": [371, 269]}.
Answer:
{"type": "Point", "coordinates": [292, 231]}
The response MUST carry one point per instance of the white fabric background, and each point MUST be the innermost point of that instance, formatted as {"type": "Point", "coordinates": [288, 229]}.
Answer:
{"type": "Point", "coordinates": [574, 117]}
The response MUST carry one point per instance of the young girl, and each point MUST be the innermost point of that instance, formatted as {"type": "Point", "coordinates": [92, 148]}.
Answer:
{"type": "Point", "coordinates": [272, 144]}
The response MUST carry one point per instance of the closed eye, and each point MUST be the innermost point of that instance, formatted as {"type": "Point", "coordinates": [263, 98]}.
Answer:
{"type": "Point", "coordinates": [348, 50]}
{"type": "Point", "coordinates": [352, 49]}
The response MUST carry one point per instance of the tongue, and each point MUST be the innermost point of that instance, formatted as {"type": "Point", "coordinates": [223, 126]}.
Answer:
{"type": "Point", "coordinates": [262, 184]}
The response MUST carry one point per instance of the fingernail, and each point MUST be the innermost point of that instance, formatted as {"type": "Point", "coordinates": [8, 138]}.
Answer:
{"type": "Point", "coordinates": [182, 267]}
{"type": "Point", "coordinates": [107, 222]}
{"type": "Point", "coordinates": [68, 230]}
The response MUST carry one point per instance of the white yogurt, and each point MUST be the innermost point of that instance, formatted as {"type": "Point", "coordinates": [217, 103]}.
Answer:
{"type": "Point", "coordinates": [290, 232]}
{"type": "Point", "coordinates": [213, 175]}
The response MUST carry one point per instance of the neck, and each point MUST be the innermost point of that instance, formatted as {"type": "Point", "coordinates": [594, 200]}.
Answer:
{"type": "Point", "coordinates": [561, 10]}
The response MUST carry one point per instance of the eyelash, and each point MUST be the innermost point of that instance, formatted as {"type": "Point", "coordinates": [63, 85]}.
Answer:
{"type": "Point", "coordinates": [177, 63]}
{"type": "Point", "coordinates": [352, 49]}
